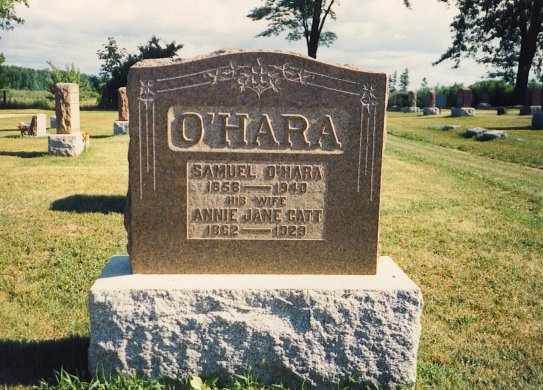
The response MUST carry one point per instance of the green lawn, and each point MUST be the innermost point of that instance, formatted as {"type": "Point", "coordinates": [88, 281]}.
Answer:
{"type": "Point", "coordinates": [522, 146]}
{"type": "Point", "coordinates": [463, 218]}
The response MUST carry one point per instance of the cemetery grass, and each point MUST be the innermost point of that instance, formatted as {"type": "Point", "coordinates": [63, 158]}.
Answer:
{"type": "Point", "coordinates": [522, 146]}
{"type": "Point", "coordinates": [464, 225]}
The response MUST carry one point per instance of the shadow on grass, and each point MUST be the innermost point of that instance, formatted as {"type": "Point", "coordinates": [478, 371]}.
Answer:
{"type": "Point", "coordinates": [511, 128]}
{"type": "Point", "coordinates": [24, 154]}
{"type": "Point", "coordinates": [90, 204]}
{"type": "Point", "coordinates": [27, 362]}
{"type": "Point", "coordinates": [102, 136]}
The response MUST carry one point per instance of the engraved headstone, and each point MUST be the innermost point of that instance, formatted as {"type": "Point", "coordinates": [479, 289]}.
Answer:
{"type": "Point", "coordinates": [464, 97]}
{"type": "Point", "coordinates": [120, 126]}
{"type": "Point", "coordinates": [411, 102]}
{"type": "Point", "coordinates": [67, 107]}
{"type": "Point", "coordinates": [431, 99]}
{"type": "Point", "coordinates": [69, 140]}
{"type": "Point", "coordinates": [123, 104]}
{"type": "Point", "coordinates": [254, 183]}
{"type": "Point", "coordinates": [252, 153]}
{"type": "Point", "coordinates": [463, 103]}
{"type": "Point", "coordinates": [431, 108]}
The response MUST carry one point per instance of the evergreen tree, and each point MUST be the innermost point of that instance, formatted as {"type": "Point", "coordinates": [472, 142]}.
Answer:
{"type": "Point", "coordinates": [404, 81]}
{"type": "Point", "coordinates": [393, 79]}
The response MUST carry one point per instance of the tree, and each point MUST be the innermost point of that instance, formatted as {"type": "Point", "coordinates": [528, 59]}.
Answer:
{"type": "Point", "coordinates": [505, 34]}
{"type": "Point", "coordinates": [8, 16]}
{"type": "Point", "coordinates": [302, 18]}
{"type": "Point", "coordinates": [392, 80]}
{"type": "Point", "coordinates": [404, 81]}
{"type": "Point", "coordinates": [424, 83]}
{"type": "Point", "coordinates": [116, 63]}
{"type": "Point", "coordinates": [70, 74]}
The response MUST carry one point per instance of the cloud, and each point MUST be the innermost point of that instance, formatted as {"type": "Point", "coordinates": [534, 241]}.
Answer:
{"type": "Point", "coordinates": [374, 34]}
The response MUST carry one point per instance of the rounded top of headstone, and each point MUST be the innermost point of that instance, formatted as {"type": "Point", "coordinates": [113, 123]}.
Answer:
{"type": "Point", "coordinates": [148, 63]}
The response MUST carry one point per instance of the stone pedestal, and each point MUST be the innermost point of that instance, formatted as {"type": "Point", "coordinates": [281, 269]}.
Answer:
{"type": "Point", "coordinates": [537, 121]}
{"type": "Point", "coordinates": [529, 110]}
{"type": "Point", "coordinates": [288, 328]}
{"type": "Point", "coordinates": [67, 145]}
{"type": "Point", "coordinates": [120, 127]}
{"type": "Point", "coordinates": [430, 110]}
{"type": "Point", "coordinates": [411, 109]}
{"type": "Point", "coordinates": [462, 111]}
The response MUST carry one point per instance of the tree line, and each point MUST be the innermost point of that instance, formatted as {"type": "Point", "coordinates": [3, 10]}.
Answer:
{"type": "Point", "coordinates": [21, 78]}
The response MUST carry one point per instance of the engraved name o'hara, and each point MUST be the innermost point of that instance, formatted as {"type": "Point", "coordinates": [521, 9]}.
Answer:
{"type": "Point", "coordinates": [255, 131]}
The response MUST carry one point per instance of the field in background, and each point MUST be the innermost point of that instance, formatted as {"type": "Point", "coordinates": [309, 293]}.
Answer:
{"type": "Point", "coordinates": [463, 218]}
{"type": "Point", "coordinates": [21, 100]}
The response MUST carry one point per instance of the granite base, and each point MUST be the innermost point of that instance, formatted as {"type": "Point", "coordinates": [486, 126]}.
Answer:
{"type": "Point", "coordinates": [120, 127]}
{"type": "Point", "coordinates": [288, 328]}
{"type": "Point", "coordinates": [430, 110]}
{"type": "Point", "coordinates": [411, 109]}
{"type": "Point", "coordinates": [67, 145]}
{"type": "Point", "coordinates": [462, 111]}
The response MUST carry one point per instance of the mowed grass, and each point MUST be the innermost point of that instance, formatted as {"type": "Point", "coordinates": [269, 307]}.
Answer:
{"type": "Point", "coordinates": [463, 223]}
{"type": "Point", "coordinates": [522, 146]}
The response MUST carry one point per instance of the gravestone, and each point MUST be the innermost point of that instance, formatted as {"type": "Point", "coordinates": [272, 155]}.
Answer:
{"type": "Point", "coordinates": [120, 126]}
{"type": "Point", "coordinates": [68, 141]}
{"type": "Point", "coordinates": [411, 102]}
{"type": "Point", "coordinates": [254, 191]}
{"type": "Point", "coordinates": [463, 103]}
{"type": "Point", "coordinates": [53, 121]}
{"type": "Point", "coordinates": [38, 125]}
{"type": "Point", "coordinates": [431, 108]}
{"type": "Point", "coordinates": [532, 102]}
{"type": "Point", "coordinates": [441, 100]}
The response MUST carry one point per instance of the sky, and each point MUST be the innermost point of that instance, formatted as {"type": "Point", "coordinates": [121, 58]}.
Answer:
{"type": "Point", "coordinates": [380, 35]}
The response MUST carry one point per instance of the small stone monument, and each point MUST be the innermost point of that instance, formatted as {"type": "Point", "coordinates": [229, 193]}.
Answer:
{"type": "Point", "coordinates": [254, 192]}
{"type": "Point", "coordinates": [431, 108]}
{"type": "Point", "coordinates": [411, 102]}
{"type": "Point", "coordinates": [532, 102]}
{"type": "Point", "coordinates": [38, 125]}
{"type": "Point", "coordinates": [463, 103]}
{"type": "Point", "coordinates": [68, 141]}
{"type": "Point", "coordinates": [53, 121]}
{"type": "Point", "coordinates": [120, 126]}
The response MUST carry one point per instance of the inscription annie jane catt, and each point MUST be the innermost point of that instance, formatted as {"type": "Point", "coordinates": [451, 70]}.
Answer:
{"type": "Point", "coordinates": [256, 201]}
